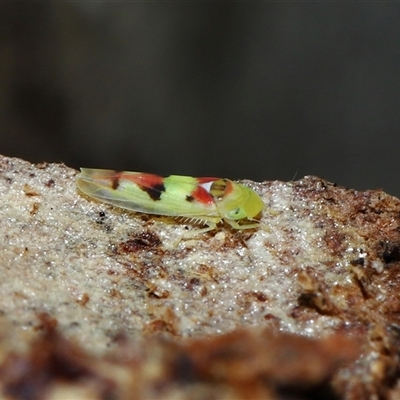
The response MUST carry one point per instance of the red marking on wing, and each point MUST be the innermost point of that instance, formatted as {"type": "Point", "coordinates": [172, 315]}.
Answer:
{"type": "Point", "coordinates": [206, 180]}
{"type": "Point", "coordinates": [202, 196]}
{"type": "Point", "coordinates": [144, 180]}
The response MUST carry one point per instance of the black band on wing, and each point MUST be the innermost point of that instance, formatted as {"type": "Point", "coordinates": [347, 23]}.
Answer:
{"type": "Point", "coordinates": [115, 180]}
{"type": "Point", "coordinates": [154, 191]}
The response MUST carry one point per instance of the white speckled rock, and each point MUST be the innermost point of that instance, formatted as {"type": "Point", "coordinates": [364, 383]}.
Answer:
{"type": "Point", "coordinates": [324, 262]}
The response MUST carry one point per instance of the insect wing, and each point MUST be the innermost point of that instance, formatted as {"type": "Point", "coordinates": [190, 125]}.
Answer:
{"type": "Point", "coordinates": [174, 195]}
{"type": "Point", "coordinates": [110, 187]}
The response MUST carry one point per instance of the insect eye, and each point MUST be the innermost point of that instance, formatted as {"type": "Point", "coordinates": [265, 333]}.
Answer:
{"type": "Point", "coordinates": [237, 213]}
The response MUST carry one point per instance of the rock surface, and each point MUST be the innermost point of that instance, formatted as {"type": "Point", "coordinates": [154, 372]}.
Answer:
{"type": "Point", "coordinates": [97, 302]}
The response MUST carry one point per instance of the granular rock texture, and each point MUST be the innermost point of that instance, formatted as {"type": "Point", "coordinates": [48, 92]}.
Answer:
{"type": "Point", "coordinates": [98, 302]}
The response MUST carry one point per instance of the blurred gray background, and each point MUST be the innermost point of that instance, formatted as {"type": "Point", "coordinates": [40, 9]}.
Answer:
{"type": "Point", "coordinates": [264, 91]}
